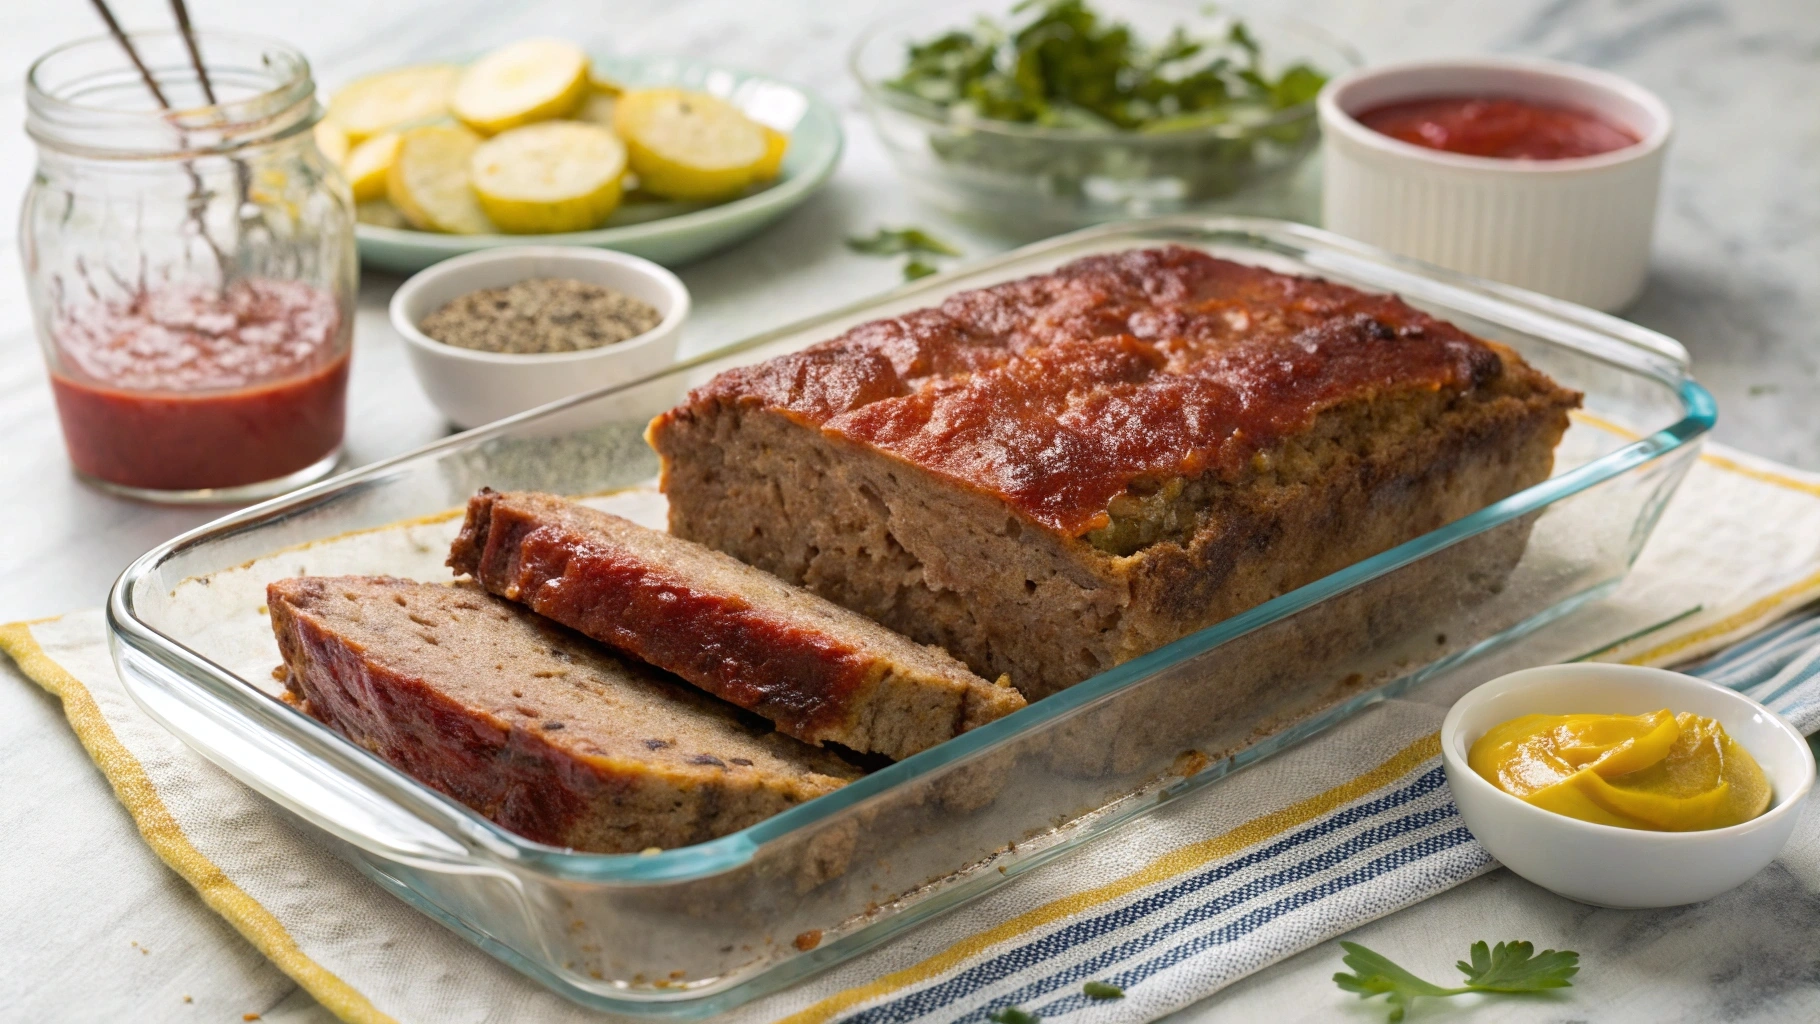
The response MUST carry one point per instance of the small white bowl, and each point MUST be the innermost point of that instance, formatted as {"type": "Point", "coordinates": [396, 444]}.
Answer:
{"type": "Point", "coordinates": [1576, 229]}
{"type": "Point", "coordinates": [1605, 865]}
{"type": "Point", "coordinates": [473, 387]}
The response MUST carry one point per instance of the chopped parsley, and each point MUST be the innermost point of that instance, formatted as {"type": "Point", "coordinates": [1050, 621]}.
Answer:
{"type": "Point", "coordinates": [912, 242]}
{"type": "Point", "coordinates": [1062, 64]}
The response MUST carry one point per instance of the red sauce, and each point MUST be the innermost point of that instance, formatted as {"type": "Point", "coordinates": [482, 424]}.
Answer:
{"type": "Point", "coordinates": [1058, 393]}
{"type": "Point", "coordinates": [1505, 129]}
{"type": "Point", "coordinates": [181, 388]}
{"type": "Point", "coordinates": [564, 564]}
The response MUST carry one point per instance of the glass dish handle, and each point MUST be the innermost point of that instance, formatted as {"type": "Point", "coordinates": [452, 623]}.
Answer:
{"type": "Point", "coordinates": [275, 766]}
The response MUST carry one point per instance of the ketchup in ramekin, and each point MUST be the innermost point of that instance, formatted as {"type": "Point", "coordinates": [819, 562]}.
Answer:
{"type": "Point", "coordinates": [181, 388]}
{"type": "Point", "coordinates": [1498, 127]}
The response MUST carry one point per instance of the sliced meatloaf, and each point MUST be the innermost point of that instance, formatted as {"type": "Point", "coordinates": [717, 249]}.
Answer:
{"type": "Point", "coordinates": [531, 725]}
{"type": "Point", "coordinates": [1054, 475]}
{"type": "Point", "coordinates": [820, 672]}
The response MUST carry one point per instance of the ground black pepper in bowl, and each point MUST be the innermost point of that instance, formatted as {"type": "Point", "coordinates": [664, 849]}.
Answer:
{"type": "Point", "coordinates": [540, 316]}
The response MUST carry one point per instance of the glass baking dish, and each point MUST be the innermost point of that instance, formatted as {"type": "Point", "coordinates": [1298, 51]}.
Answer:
{"type": "Point", "coordinates": [693, 931]}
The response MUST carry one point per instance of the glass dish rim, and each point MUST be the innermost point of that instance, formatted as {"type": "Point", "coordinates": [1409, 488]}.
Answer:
{"type": "Point", "coordinates": [1663, 361]}
{"type": "Point", "coordinates": [875, 92]}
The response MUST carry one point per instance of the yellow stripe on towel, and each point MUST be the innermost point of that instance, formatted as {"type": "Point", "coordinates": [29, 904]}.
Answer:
{"type": "Point", "coordinates": [1176, 862]}
{"type": "Point", "coordinates": [166, 838]}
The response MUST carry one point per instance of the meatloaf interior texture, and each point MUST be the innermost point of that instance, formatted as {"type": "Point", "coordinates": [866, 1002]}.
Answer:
{"type": "Point", "coordinates": [820, 672]}
{"type": "Point", "coordinates": [1055, 475]}
{"type": "Point", "coordinates": [541, 730]}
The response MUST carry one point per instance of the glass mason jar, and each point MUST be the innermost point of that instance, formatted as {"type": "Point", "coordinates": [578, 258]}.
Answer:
{"type": "Point", "coordinates": [189, 254]}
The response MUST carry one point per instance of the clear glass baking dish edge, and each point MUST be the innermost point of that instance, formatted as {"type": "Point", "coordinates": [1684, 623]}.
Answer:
{"type": "Point", "coordinates": [797, 892]}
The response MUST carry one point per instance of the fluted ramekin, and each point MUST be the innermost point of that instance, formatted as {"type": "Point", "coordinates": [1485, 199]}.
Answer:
{"type": "Point", "coordinates": [1577, 229]}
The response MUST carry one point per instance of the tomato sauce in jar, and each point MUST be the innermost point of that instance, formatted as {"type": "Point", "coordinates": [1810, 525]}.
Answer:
{"type": "Point", "coordinates": [186, 388]}
{"type": "Point", "coordinates": [1498, 127]}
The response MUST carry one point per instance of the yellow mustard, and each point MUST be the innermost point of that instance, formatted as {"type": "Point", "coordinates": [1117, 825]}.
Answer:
{"type": "Point", "coordinates": [1662, 772]}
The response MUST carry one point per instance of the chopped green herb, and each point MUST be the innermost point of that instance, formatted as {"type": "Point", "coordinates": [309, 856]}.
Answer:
{"type": "Point", "coordinates": [915, 268]}
{"type": "Point", "coordinates": [914, 242]}
{"type": "Point", "coordinates": [1061, 64]}
{"type": "Point", "coordinates": [1012, 1015]}
{"type": "Point", "coordinates": [1506, 967]}
{"type": "Point", "coordinates": [1101, 990]}
{"type": "Point", "coordinates": [1763, 389]}
{"type": "Point", "coordinates": [895, 241]}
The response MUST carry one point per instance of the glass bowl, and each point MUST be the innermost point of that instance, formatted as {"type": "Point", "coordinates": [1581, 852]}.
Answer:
{"type": "Point", "coordinates": [1038, 178]}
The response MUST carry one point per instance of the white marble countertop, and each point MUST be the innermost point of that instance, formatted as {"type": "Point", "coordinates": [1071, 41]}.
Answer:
{"type": "Point", "coordinates": [1736, 277]}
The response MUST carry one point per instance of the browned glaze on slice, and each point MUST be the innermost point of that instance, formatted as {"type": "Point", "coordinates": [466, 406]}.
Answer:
{"type": "Point", "coordinates": [819, 672]}
{"type": "Point", "coordinates": [544, 732]}
{"type": "Point", "coordinates": [1059, 392]}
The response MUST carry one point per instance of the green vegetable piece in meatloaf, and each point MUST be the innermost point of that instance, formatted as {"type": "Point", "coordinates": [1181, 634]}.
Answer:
{"type": "Point", "coordinates": [538, 729]}
{"type": "Point", "coordinates": [820, 672]}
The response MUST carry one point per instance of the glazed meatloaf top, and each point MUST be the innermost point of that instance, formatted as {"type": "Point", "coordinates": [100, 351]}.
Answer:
{"type": "Point", "coordinates": [1060, 393]}
{"type": "Point", "coordinates": [820, 672]}
{"type": "Point", "coordinates": [539, 729]}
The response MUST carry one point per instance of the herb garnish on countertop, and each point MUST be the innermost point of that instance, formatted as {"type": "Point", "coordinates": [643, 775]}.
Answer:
{"type": "Point", "coordinates": [913, 242]}
{"type": "Point", "coordinates": [1505, 968]}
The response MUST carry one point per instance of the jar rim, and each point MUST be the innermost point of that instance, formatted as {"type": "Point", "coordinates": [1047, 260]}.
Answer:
{"type": "Point", "coordinates": [85, 97]}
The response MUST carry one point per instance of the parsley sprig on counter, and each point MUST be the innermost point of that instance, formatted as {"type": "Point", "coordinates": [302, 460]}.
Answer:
{"type": "Point", "coordinates": [1506, 967]}
{"type": "Point", "coordinates": [1061, 64]}
{"type": "Point", "coordinates": [912, 242]}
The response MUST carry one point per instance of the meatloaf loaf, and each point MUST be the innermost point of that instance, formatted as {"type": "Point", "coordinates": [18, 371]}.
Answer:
{"type": "Point", "coordinates": [538, 729]}
{"type": "Point", "coordinates": [820, 672]}
{"type": "Point", "coordinates": [1051, 476]}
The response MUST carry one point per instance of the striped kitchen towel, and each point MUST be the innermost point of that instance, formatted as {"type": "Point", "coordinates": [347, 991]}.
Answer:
{"type": "Point", "coordinates": [1778, 668]}
{"type": "Point", "coordinates": [1216, 884]}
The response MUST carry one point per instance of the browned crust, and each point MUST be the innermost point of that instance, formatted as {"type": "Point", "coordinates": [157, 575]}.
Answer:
{"type": "Point", "coordinates": [819, 672]}
{"type": "Point", "coordinates": [538, 758]}
{"type": "Point", "coordinates": [951, 566]}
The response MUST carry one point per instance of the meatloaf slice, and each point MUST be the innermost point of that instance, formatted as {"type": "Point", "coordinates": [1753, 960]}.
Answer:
{"type": "Point", "coordinates": [1055, 475]}
{"type": "Point", "coordinates": [538, 729]}
{"type": "Point", "coordinates": [820, 672]}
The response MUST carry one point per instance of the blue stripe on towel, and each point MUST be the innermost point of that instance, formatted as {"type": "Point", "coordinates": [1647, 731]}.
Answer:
{"type": "Point", "coordinates": [997, 968]}
{"type": "Point", "coordinates": [1255, 919]}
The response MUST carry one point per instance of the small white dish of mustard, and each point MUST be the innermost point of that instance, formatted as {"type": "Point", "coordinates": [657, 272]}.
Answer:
{"type": "Point", "coordinates": [1622, 786]}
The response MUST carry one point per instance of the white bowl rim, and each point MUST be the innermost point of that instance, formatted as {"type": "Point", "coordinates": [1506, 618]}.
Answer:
{"type": "Point", "coordinates": [1338, 119]}
{"type": "Point", "coordinates": [679, 303]}
{"type": "Point", "coordinates": [1784, 805]}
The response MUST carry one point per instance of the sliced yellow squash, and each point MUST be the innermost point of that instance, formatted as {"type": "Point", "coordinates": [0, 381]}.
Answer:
{"type": "Point", "coordinates": [690, 145]}
{"type": "Point", "coordinates": [429, 180]}
{"type": "Point", "coordinates": [369, 164]}
{"type": "Point", "coordinates": [392, 99]}
{"type": "Point", "coordinates": [332, 141]}
{"type": "Point", "coordinates": [597, 109]}
{"type": "Point", "coordinates": [556, 176]}
{"type": "Point", "coordinates": [603, 85]}
{"type": "Point", "coordinates": [381, 213]}
{"type": "Point", "coordinates": [527, 81]}
{"type": "Point", "coordinates": [776, 144]}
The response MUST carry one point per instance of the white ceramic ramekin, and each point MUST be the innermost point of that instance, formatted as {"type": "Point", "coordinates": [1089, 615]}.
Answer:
{"type": "Point", "coordinates": [1602, 864]}
{"type": "Point", "coordinates": [472, 388]}
{"type": "Point", "coordinates": [1575, 229]}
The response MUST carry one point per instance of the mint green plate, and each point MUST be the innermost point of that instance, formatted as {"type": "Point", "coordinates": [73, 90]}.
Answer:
{"type": "Point", "coordinates": [671, 233]}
